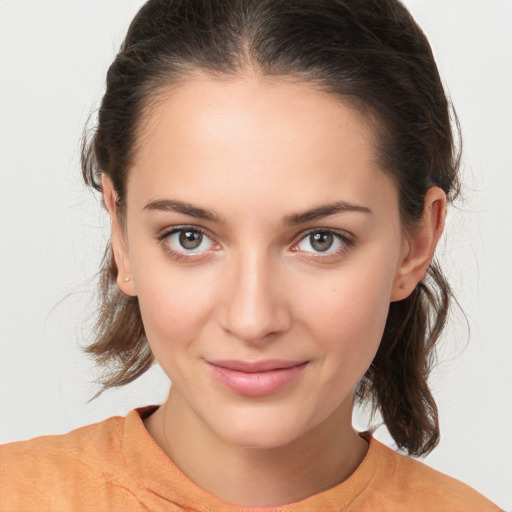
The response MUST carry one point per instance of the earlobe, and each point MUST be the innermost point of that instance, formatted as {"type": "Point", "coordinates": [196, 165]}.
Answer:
{"type": "Point", "coordinates": [420, 245]}
{"type": "Point", "coordinates": [118, 240]}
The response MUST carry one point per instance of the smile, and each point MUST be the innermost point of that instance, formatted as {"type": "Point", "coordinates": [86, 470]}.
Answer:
{"type": "Point", "coordinates": [256, 378]}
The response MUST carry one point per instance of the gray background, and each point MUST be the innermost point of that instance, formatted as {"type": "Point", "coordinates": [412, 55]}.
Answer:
{"type": "Point", "coordinates": [53, 59]}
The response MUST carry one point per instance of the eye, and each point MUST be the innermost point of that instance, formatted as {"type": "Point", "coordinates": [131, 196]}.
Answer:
{"type": "Point", "coordinates": [323, 241]}
{"type": "Point", "coordinates": [187, 241]}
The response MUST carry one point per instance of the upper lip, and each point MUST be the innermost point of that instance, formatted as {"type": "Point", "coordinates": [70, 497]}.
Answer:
{"type": "Point", "coordinates": [255, 366]}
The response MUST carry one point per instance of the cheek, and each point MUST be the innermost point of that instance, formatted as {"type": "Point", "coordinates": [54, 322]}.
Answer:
{"type": "Point", "coordinates": [175, 306]}
{"type": "Point", "coordinates": [352, 320]}
{"type": "Point", "coordinates": [347, 312]}
{"type": "Point", "coordinates": [356, 295]}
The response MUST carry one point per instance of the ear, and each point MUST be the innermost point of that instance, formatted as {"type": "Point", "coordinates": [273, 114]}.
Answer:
{"type": "Point", "coordinates": [119, 247]}
{"type": "Point", "coordinates": [420, 244]}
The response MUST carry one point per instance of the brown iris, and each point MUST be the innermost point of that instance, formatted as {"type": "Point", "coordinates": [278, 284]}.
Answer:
{"type": "Point", "coordinates": [321, 241]}
{"type": "Point", "coordinates": [190, 239]}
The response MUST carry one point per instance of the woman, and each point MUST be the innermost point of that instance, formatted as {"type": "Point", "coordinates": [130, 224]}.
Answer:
{"type": "Point", "coordinates": [277, 175]}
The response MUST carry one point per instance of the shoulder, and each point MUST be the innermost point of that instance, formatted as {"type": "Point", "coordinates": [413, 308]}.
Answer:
{"type": "Point", "coordinates": [85, 444]}
{"type": "Point", "coordinates": [35, 471]}
{"type": "Point", "coordinates": [413, 485]}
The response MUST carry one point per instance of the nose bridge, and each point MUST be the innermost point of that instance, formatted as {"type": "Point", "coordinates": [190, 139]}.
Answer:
{"type": "Point", "coordinates": [255, 306]}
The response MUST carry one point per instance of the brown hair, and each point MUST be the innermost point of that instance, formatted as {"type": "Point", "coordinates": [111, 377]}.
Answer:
{"type": "Point", "coordinates": [368, 52]}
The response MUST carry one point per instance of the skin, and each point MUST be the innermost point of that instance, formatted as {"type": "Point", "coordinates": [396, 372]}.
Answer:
{"type": "Point", "coordinates": [256, 151]}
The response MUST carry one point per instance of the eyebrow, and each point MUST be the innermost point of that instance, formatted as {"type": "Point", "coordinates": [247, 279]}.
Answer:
{"type": "Point", "coordinates": [324, 211]}
{"type": "Point", "coordinates": [173, 205]}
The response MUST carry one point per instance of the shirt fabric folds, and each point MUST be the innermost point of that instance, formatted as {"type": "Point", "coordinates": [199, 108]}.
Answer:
{"type": "Point", "coordinates": [116, 465]}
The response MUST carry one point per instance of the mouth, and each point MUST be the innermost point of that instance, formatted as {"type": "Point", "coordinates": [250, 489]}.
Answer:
{"type": "Point", "coordinates": [258, 378]}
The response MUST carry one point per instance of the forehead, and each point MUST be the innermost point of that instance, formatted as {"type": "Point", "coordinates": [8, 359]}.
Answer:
{"type": "Point", "coordinates": [254, 134]}
{"type": "Point", "coordinates": [255, 108]}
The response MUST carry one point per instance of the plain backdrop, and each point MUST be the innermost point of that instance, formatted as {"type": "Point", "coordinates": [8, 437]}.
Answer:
{"type": "Point", "coordinates": [53, 58]}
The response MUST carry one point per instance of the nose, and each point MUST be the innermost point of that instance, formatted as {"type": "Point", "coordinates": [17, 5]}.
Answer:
{"type": "Point", "coordinates": [255, 305]}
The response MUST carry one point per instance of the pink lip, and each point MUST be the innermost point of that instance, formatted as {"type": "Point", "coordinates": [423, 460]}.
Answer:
{"type": "Point", "coordinates": [256, 378]}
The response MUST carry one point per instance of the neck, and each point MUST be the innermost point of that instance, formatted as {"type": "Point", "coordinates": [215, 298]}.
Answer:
{"type": "Point", "coordinates": [313, 463]}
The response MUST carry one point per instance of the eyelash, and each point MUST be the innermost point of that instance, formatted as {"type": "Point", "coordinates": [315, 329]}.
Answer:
{"type": "Point", "coordinates": [178, 229]}
{"type": "Point", "coordinates": [347, 242]}
{"type": "Point", "coordinates": [343, 237]}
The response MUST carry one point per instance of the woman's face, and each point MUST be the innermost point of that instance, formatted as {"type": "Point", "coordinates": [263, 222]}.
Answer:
{"type": "Point", "coordinates": [263, 243]}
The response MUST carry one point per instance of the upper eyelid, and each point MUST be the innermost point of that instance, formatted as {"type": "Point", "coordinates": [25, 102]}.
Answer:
{"type": "Point", "coordinates": [325, 230]}
{"type": "Point", "coordinates": [174, 229]}
{"type": "Point", "coordinates": [340, 232]}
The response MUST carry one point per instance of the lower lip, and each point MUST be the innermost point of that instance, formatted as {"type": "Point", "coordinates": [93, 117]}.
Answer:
{"type": "Point", "coordinates": [256, 383]}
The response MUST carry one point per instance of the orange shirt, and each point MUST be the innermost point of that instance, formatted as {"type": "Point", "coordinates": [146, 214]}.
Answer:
{"type": "Point", "coordinates": [116, 465]}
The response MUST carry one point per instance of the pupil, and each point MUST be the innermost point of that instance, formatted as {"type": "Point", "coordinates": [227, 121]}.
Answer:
{"type": "Point", "coordinates": [190, 239]}
{"type": "Point", "coordinates": [321, 241]}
